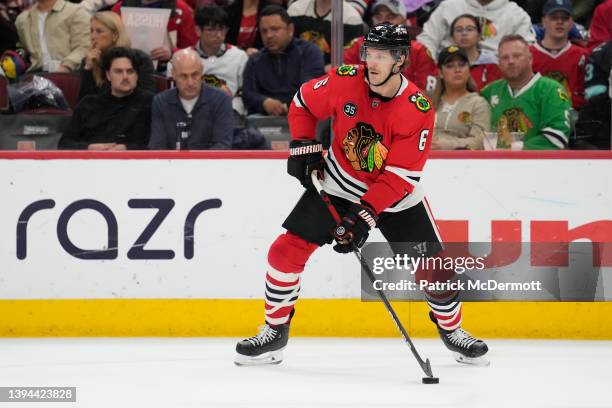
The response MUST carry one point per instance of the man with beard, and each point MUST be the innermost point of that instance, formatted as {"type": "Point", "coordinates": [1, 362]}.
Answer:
{"type": "Point", "coordinates": [382, 125]}
{"type": "Point", "coordinates": [522, 101]}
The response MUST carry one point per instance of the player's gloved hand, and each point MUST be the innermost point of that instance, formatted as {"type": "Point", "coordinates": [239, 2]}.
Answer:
{"type": "Point", "coordinates": [305, 156]}
{"type": "Point", "coordinates": [354, 228]}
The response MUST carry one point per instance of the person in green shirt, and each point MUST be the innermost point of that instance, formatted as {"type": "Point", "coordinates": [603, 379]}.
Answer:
{"type": "Point", "coordinates": [522, 101]}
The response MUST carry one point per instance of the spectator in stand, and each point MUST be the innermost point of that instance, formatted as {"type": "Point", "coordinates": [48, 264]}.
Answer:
{"type": "Point", "coordinates": [581, 12]}
{"type": "Point", "coordinates": [527, 102]}
{"type": "Point", "coordinates": [462, 116]}
{"type": "Point", "coordinates": [312, 19]}
{"type": "Point", "coordinates": [274, 74]}
{"type": "Point", "coordinates": [116, 119]}
{"type": "Point", "coordinates": [497, 19]}
{"type": "Point", "coordinates": [193, 115]}
{"type": "Point", "coordinates": [56, 35]}
{"type": "Point", "coordinates": [181, 28]}
{"type": "Point", "coordinates": [223, 63]}
{"type": "Point", "coordinates": [107, 31]}
{"type": "Point", "coordinates": [598, 71]}
{"type": "Point", "coordinates": [600, 30]}
{"type": "Point", "coordinates": [422, 69]}
{"type": "Point", "coordinates": [555, 56]}
{"type": "Point", "coordinates": [466, 32]}
{"type": "Point", "coordinates": [242, 17]}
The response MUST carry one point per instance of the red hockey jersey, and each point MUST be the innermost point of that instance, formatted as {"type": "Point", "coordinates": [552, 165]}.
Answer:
{"type": "Point", "coordinates": [568, 67]}
{"type": "Point", "coordinates": [380, 145]}
{"type": "Point", "coordinates": [422, 69]}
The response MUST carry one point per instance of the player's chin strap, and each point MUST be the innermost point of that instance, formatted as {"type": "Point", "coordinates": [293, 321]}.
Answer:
{"type": "Point", "coordinates": [394, 71]}
{"type": "Point", "coordinates": [425, 365]}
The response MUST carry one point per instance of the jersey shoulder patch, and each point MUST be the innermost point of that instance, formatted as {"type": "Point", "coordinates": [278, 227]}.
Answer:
{"type": "Point", "coordinates": [420, 101]}
{"type": "Point", "coordinates": [347, 70]}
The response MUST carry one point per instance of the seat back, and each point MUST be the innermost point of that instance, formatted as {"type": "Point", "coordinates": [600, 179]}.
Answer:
{"type": "Point", "coordinates": [4, 99]}
{"type": "Point", "coordinates": [162, 83]}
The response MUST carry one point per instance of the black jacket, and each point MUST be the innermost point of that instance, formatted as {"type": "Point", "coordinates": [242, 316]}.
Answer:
{"type": "Point", "coordinates": [105, 118]}
{"type": "Point", "coordinates": [280, 75]}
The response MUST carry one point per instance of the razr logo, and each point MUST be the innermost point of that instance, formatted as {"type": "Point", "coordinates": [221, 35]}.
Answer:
{"type": "Point", "coordinates": [137, 251]}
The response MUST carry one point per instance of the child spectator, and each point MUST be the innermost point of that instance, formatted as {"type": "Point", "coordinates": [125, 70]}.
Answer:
{"type": "Point", "coordinates": [466, 32]}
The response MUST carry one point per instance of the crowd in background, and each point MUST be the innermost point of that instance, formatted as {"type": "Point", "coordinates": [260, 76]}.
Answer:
{"type": "Point", "coordinates": [537, 68]}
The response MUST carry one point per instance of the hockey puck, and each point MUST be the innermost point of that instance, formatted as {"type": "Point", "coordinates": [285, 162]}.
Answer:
{"type": "Point", "coordinates": [431, 380]}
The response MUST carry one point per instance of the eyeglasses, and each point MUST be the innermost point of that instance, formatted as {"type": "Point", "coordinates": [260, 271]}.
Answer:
{"type": "Point", "coordinates": [468, 29]}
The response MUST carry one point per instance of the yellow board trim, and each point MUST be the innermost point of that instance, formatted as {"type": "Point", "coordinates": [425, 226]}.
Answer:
{"type": "Point", "coordinates": [315, 317]}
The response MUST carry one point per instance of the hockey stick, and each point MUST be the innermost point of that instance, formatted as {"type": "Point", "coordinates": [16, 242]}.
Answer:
{"type": "Point", "coordinates": [425, 365]}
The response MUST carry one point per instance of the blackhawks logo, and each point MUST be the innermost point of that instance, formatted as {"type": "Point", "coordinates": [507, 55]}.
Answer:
{"type": "Point", "coordinates": [562, 79]}
{"type": "Point", "coordinates": [563, 95]}
{"type": "Point", "coordinates": [347, 70]}
{"type": "Point", "coordinates": [317, 39]}
{"type": "Point", "coordinates": [512, 120]}
{"type": "Point", "coordinates": [363, 148]}
{"type": "Point", "coordinates": [465, 118]}
{"type": "Point", "coordinates": [420, 101]}
{"type": "Point", "coordinates": [213, 80]}
{"type": "Point", "coordinates": [488, 29]}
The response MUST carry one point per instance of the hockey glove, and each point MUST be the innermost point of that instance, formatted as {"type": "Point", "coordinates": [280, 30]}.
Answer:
{"type": "Point", "coordinates": [354, 228]}
{"type": "Point", "coordinates": [305, 156]}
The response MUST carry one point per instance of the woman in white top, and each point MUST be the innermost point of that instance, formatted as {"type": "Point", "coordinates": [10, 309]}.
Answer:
{"type": "Point", "coordinates": [462, 116]}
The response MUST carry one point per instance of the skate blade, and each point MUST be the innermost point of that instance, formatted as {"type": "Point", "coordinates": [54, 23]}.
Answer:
{"type": "Point", "coordinates": [269, 358]}
{"type": "Point", "coordinates": [475, 361]}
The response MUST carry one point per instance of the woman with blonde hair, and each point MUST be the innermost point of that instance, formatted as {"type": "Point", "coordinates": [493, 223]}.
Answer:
{"type": "Point", "coordinates": [107, 31]}
{"type": "Point", "coordinates": [462, 115]}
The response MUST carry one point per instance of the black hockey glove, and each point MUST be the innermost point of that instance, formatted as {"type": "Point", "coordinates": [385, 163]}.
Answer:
{"type": "Point", "coordinates": [305, 156]}
{"type": "Point", "coordinates": [354, 228]}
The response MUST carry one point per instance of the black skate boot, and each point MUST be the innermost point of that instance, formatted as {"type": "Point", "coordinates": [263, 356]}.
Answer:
{"type": "Point", "coordinates": [466, 349]}
{"type": "Point", "coordinates": [266, 347]}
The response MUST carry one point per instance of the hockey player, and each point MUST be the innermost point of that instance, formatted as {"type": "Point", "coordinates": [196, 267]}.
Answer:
{"type": "Point", "coordinates": [383, 126]}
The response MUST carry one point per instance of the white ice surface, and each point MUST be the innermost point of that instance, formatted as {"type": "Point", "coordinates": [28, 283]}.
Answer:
{"type": "Point", "coordinates": [316, 372]}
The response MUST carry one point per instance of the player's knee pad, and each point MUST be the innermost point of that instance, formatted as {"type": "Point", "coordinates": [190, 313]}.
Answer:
{"type": "Point", "coordinates": [289, 253]}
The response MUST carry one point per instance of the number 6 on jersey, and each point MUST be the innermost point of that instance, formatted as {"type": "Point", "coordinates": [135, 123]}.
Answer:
{"type": "Point", "coordinates": [423, 139]}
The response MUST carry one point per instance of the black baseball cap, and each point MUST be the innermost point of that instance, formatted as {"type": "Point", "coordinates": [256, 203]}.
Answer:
{"type": "Point", "coordinates": [557, 5]}
{"type": "Point", "coordinates": [450, 52]}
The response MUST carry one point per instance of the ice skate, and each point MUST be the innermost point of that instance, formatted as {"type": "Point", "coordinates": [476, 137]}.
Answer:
{"type": "Point", "coordinates": [266, 347]}
{"type": "Point", "coordinates": [466, 349]}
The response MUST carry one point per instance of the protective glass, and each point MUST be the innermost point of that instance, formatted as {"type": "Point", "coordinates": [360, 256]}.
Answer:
{"type": "Point", "coordinates": [372, 55]}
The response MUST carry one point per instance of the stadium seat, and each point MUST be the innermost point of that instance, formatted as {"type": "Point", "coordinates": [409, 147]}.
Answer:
{"type": "Point", "coordinates": [162, 83]}
{"type": "Point", "coordinates": [4, 99]}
